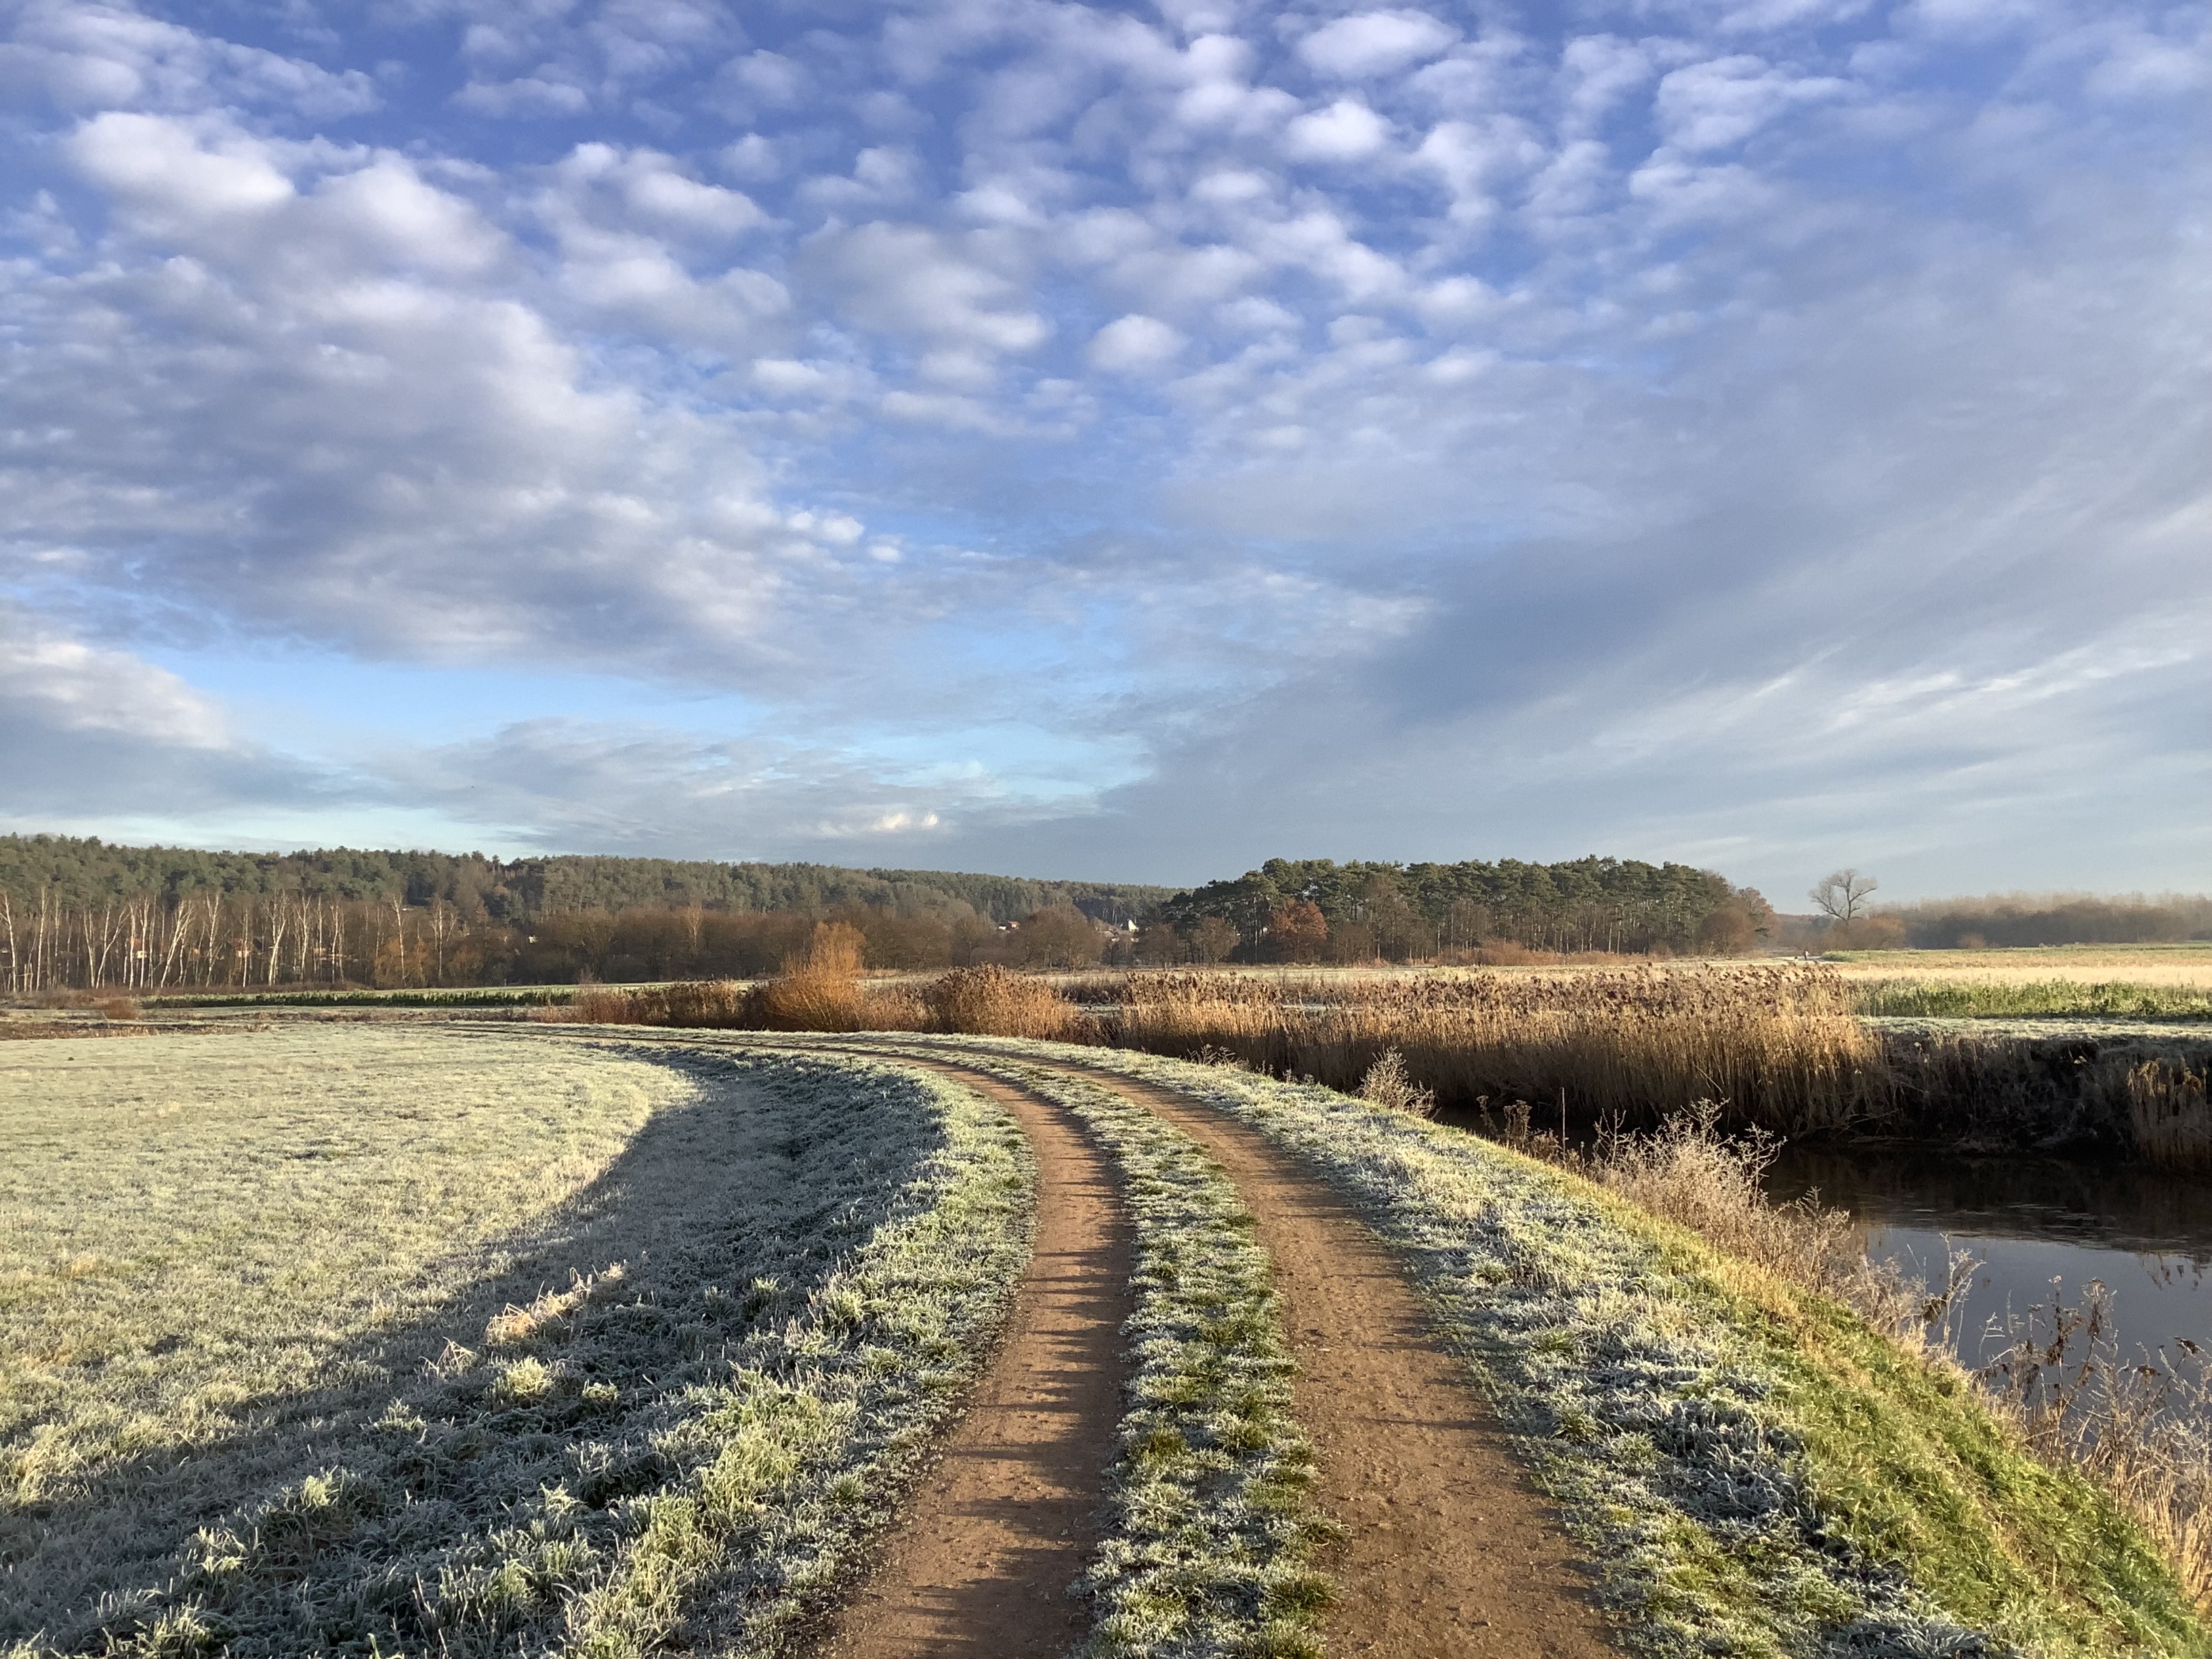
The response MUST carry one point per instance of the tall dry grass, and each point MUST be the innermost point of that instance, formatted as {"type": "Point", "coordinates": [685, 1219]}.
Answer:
{"type": "Point", "coordinates": [2139, 1425]}
{"type": "Point", "coordinates": [994, 1001]}
{"type": "Point", "coordinates": [821, 989]}
{"type": "Point", "coordinates": [1778, 1045]}
{"type": "Point", "coordinates": [2171, 1114]}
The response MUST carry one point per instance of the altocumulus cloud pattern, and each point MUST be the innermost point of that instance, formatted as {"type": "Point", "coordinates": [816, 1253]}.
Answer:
{"type": "Point", "coordinates": [1118, 441]}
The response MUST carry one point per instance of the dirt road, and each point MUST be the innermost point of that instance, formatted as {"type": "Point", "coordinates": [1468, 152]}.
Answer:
{"type": "Point", "coordinates": [984, 1554]}
{"type": "Point", "coordinates": [1446, 1550]}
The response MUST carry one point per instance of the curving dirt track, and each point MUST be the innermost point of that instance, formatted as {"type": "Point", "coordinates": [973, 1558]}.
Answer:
{"type": "Point", "coordinates": [983, 1555]}
{"type": "Point", "coordinates": [1446, 1550]}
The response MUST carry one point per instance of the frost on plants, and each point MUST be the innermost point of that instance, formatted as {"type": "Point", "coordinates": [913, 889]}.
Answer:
{"type": "Point", "coordinates": [1213, 1522]}
{"type": "Point", "coordinates": [1753, 1471]}
{"type": "Point", "coordinates": [686, 1441]}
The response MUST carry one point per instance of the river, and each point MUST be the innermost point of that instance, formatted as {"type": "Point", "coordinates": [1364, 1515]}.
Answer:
{"type": "Point", "coordinates": [2147, 1236]}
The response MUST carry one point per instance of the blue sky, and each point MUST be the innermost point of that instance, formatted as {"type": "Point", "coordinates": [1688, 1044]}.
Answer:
{"type": "Point", "coordinates": [1128, 442]}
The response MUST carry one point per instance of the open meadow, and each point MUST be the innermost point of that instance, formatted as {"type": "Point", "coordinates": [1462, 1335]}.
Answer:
{"type": "Point", "coordinates": [454, 1336]}
{"type": "Point", "coordinates": [321, 1338]}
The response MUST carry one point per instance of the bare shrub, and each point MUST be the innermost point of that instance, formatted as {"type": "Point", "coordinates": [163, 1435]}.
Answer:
{"type": "Point", "coordinates": [895, 1008]}
{"type": "Point", "coordinates": [994, 1001]}
{"type": "Point", "coordinates": [1687, 1171]}
{"type": "Point", "coordinates": [712, 1002]}
{"type": "Point", "coordinates": [119, 1008]}
{"type": "Point", "coordinates": [818, 990]}
{"type": "Point", "coordinates": [1388, 1085]}
{"type": "Point", "coordinates": [599, 1005]}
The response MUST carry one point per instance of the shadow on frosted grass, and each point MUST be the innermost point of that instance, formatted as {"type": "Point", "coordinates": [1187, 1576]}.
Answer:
{"type": "Point", "coordinates": [470, 1466]}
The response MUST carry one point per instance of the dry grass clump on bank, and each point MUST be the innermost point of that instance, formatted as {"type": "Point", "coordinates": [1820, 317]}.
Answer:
{"type": "Point", "coordinates": [993, 1001]}
{"type": "Point", "coordinates": [1779, 1044]}
{"type": "Point", "coordinates": [2140, 1426]}
{"type": "Point", "coordinates": [2171, 1114]}
{"type": "Point", "coordinates": [821, 990]}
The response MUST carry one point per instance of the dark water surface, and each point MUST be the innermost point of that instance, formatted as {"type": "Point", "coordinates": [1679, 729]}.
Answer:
{"type": "Point", "coordinates": [2147, 1236]}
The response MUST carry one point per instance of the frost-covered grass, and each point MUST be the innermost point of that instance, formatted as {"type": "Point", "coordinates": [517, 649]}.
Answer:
{"type": "Point", "coordinates": [1213, 1518]}
{"type": "Point", "coordinates": [1211, 1491]}
{"type": "Point", "coordinates": [689, 1322]}
{"type": "Point", "coordinates": [1752, 1470]}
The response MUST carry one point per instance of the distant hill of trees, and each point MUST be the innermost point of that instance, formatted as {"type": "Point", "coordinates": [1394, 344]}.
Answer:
{"type": "Point", "coordinates": [77, 872]}
{"type": "Point", "coordinates": [1319, 909]}
{"type": "Point", "coordinates": [81, 914]}
{"type": "Point", "coordinates": [2012, 920]}
{"type": "Point", "coordinates": [78, 914]}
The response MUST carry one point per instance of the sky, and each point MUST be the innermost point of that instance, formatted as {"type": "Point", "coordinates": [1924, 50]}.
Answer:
{"type": "Point", "coordinates": [1126, 442]}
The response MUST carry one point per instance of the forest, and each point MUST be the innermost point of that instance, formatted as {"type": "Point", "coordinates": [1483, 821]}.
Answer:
{"type": "Point", "coordinates": [1354, 911]}
{"type": "Point", "coordinates": [83, 914]}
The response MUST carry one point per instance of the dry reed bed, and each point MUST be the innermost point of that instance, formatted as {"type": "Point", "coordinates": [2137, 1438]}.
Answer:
{"type": "Point", "coordinates": [1778, 1047]}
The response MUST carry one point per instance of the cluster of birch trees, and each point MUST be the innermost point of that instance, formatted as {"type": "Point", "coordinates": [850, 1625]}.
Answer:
{"type": "Point", "coordinates": [215, 939]}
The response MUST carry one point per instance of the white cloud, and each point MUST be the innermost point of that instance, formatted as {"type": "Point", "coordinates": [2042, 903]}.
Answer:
{"type": "Point", "coordinates": [92, 737]}
{"type": "Point", "coordinates": [1374, 43]}
{"type": "Point", "coordinates": [96, 57]}
{"type": "Point", "coordinates": [1713, 105]}
{"type": "Point", "coordinates": [906, 280]}
{"type": "Point", "coordinates": [1136, 345]}
{"type": "Point", "coordinates": [158, 171]}
{"type": "Point", "coordinates": [529, 97]}
{"type": "Point", "coordinates": [1347, 130]}
{"type": "Point", "coordinates": [637, 787]}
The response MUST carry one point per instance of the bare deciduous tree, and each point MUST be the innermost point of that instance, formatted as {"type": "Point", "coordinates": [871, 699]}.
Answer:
{"type": "Point", "coordinates": [1842, 895]}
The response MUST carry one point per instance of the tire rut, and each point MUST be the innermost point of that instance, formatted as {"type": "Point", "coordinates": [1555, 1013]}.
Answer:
{"type": "Point", "coordinates": [1448, 1551]}
{"type": "Point", "coordinates": [984, 1554]}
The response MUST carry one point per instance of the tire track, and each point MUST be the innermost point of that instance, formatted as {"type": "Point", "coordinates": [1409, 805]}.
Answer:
{"type": "Point", "coordinates": [984, 1552]}
{"type": "Point", "coordinates": [1447, 1552]}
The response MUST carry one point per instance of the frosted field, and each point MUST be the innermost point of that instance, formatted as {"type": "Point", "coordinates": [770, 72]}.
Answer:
{"type": "Point", "coordinates": [312, 1337]}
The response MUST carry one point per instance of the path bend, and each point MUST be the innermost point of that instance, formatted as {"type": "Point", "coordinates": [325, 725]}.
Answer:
{"type": "Point", "coordinates": [1448, 1550]}
{"type": "Point", "coordinates": [985, 1552]}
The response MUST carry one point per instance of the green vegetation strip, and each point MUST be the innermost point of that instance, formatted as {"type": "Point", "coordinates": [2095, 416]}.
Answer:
{"type": "Point", "coordinates": [1214, 1526]}
{"type": "Point", "coordinates": [1752, 1470]}
{"type": "Point", "coordinates": [688, 1442]}
{"type": "Point", "coordinates": [2053, 999]}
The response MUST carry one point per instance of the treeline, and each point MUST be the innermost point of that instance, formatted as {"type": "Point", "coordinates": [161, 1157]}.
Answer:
{"type": "Point", "coordinates": [1317, 910]}
{"type": "Point", "coordinates": [243, 941]}
{"type": "Point", "coordinates": [78, 873]}
{"type": "Point", "coordinates": [2017, 920]}
{"type": "Point", "coordinates": [80, 914]}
